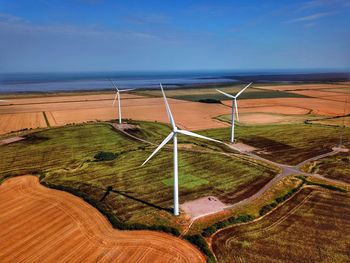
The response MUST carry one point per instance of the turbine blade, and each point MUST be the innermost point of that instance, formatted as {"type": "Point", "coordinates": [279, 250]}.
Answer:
{"type": "Point", "coordinates": [239, 93]}
{"type": "Point", "coordinates": [170, 116]}
{"type": "Point", "coordinates": [166, 140]}
{"type": "Point", "coordinates": [115, 98]}
{"type": "Point", "coordinates": [126, 90]}
{"type": "Point", "coordinates": [236, 107]}
{"type": "Point", "coordinates": [197, 135]}
{"type": "Point", "coordinates": [114, 85]}
{"type": "Point", "coordinates": [227, 95]}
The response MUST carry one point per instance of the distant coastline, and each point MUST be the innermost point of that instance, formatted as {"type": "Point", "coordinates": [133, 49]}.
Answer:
{"type": "Point", "coordinates": [88, 82]}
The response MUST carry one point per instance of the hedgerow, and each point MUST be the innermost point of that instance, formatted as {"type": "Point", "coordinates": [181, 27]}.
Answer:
{"type": "Point", "coordinates": [200, 242]}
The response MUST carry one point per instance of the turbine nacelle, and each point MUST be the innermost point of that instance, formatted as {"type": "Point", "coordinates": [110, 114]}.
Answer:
{"type": "Point", "coordinates": [234, 107]}
{"type": "Point", "coordinates": [117, 96]}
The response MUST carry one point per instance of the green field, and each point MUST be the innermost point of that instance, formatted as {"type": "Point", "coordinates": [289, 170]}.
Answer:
{"type": "Point", "coordinates": [313, 226]}
{"type": "Point", "coordinates": [285, 143]}
{"type": "Point", "coordinates": [199, 94]}
{"type": "Point", "coordinates": [65, 156]}
{"type": "Point", "coordinates": [261, 94]}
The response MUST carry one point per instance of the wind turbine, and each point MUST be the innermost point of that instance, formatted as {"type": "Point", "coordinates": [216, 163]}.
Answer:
{"type": "Point", "coordinates": [173, 135]}
{"type": "Point", "coordinates": [117, 96]}
{"type": "Point", "coordinates": [234, 107]}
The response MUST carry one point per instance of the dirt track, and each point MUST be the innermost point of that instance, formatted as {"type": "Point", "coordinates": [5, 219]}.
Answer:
{"type": "Point", "coordinates": [38, 224]}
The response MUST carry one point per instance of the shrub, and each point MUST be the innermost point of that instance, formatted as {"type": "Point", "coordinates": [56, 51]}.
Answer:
{"type": "Point", "coordinates": [104, 156]}
{"type": "Point", "coordinates": [209, 101]}
{"type": "Point", "coordinates": [230, 221]}
{"type": "Point", "coordinates": [200, 242]}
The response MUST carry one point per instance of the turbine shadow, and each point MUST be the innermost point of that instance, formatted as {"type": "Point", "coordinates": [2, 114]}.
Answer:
{"type": "Point", "coordinates": [109, 189]}
{"type": "Point", "coordinates": [141, 201]}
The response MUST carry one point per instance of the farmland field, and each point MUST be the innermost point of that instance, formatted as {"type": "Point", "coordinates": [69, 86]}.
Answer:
{"type": "Point", "coordinates": [19, 121]}
{"type": "Point", "coordinates": [340, 121]}
{"type": "Point", "coordinates": [199, 94]}
{"type": "Point", "coordinates": [261, 94]}
{"type": "Point", "coordinates": [334, 167]}
{"type": "Point", "coordinates": [286, 143]}
{"type": "Point", "coordinates": [65, 156]}
{"type": "Point", "coordinates": [313, 226]}
{"type": "Point", "coordinates": [38, 224]}
{"type": "Point", "coordinates": [268, 118]}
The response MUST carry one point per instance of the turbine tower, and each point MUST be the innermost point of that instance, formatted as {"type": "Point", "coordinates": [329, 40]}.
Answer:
{"type": "Point", "coordinates": [234, 109]}
{"type": "Point", "coordinates": [117, 96]}
{"type": "Point", "coordinates": [173, 135]}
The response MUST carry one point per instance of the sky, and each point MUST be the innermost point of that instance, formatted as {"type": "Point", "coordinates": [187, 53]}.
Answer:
{"type": "Point", "coordinates": [136, 35]}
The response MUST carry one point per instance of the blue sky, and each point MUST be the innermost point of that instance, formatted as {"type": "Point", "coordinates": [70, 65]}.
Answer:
{"type": "Point", "coordinates": [98, 35]}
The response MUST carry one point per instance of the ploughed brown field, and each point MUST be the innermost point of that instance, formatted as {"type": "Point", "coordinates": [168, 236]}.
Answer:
{"type": "Point", "coordinates": [313, 226]}
{"type": "Point", "coordinates": [30, 112]}
{"type": "Point", "coordinates": [38, 224]}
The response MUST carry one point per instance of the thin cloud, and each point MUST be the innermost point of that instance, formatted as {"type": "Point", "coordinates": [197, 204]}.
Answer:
{"type": "Point", "coordinates": [12, 24]}
{"type": "Point", "coordinates": [311, 17]}
{"type": "Point", "coordinates": [7, 18]}
{"type": "Point", "coordinates": [324, 3]}
{"type": "Point", "coordinates": [148, 19]}
{"type": "Point", "coordinates": [92, 1]}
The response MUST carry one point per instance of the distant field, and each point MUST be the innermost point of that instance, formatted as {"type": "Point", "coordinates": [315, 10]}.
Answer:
{"type": "Point", "coordinates": [334, 167]}
{"type": "Point", "coordinates": [262, 94]}
{"type": "Point", "coordinates": [65, 156]}
{"type": "Point", "coordinates": [286, 143]}
{"type": "Point", "coordinates": [210, 93]}
{"type": "Point", "coordinates": [334, 121]}
{"type": "Point", "coordinates": [269, 118]}
{"type": "Point", "coordinates": [313, 226]}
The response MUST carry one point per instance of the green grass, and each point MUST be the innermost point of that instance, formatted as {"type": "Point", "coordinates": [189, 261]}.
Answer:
{"type": "Point", "coordinates": [65, 156]}
{"type": "Point", "coordinates": [285, 143]}
{"type": "Point", "coordinates": [187, 181]}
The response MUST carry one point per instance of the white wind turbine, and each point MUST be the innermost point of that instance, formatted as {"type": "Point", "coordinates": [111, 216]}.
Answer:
{"type": "Point", "coordinates": [173, 135]}
{"type": "Point", "coordinates": [117, 96]}
{"type": "Point", "coordinates": [234, 108]}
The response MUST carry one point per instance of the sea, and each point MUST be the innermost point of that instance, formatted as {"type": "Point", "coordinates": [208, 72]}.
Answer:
{"type": "Point", "coordinates": [94, 81]}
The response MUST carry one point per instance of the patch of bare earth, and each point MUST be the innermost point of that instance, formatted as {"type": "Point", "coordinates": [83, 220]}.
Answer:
{"type": "Point", "coordinates": [11, 140]}
{"type": "Point", "coordinates": [244, 147]}
{"type": "Point", "coordinates": [203, 206]}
